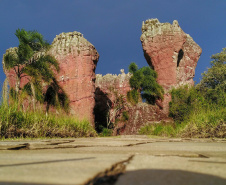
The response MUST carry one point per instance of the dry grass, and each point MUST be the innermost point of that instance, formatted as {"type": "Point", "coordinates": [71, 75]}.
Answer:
{"type": "Point", "coordinates": [15, 123]}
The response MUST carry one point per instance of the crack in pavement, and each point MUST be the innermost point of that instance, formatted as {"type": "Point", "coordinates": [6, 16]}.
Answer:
{"type": "Point", "coordinates": [182, 155]}
{"type": "Point", "coordinates": [45, 162]}
{"type": "Point", "coordinates": [30, 147]}
{"type": "Point", "coordinates": [111, 175]}
{"type": "Point", "coordinates": [135, 144]}
{"type": "Point", "coordinates": [58, 145]}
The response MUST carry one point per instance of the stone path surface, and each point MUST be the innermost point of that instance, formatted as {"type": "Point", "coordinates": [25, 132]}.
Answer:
{"type": "Point", "coordinates": [125, 160]}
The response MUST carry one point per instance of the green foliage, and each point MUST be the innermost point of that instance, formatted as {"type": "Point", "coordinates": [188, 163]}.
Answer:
{"type": "Point", "coordinates": [13, 94]}
{"type": "Point", "coordinates": [210, 92]}
{"type": "Point", "coordinates": [106, 132]}
{"type": "Point", "coordinates": [125, 116]}
{"type": "Point", "coordinates": [159, 129]}
{"type": "Point", "coordinates": [133, 96]}
{"type": "Point", "coordinates": [31, 61]}
{"type": "Point", "coordinates": [17, 123]}
{"type": "Point", "coordinates": [196, 115]}
{"type": "Point", "coordinates": [144, 81]}
{"type": "Point", "coordinates": [133, 67]}
{"type": "Point", "coordinates": [55, 96]}
{"type": "Point", "coordinates": [199, 111]}
{"type": "Point", "coordinates": [184, 101]}
{"type": "Point", "coordinates": [207, 122]}
{"type": "Point", "coordinates": [213, 83]}
{"type": "Point", "coordinates": [38, 91]}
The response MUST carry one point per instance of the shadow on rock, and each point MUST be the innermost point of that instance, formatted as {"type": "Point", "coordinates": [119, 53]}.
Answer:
{"type": "Point", "coordinates": [101, 109]}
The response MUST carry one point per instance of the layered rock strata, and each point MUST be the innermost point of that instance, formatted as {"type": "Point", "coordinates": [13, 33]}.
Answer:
{"type": "Point", "coordinates": [170, 52]}
{"type": "Point", "coordinates": [77, 60]}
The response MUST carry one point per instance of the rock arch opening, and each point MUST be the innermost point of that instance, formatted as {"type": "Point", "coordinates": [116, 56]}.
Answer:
{"type": "Point", "coordinates": [180, 56]}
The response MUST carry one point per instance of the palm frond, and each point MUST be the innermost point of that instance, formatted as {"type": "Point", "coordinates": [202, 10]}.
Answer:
{"type": "Point", "coordinates": [10, 60]}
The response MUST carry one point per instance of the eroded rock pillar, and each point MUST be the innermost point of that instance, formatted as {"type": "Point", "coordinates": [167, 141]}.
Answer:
{"type": "Point", "coordinates": [77, 60]}
{"type": "Point", "coordinates": [171, 53]}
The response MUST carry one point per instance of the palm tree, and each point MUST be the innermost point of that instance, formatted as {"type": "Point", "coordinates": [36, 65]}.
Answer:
{"type": "Point", "coordinates": [31, 61]}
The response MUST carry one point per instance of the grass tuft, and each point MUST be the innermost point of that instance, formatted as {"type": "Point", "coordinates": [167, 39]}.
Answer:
{"type": "Point", "coordinates": [15, 123]}
{"type": "Point", "coordinates": [207, 122]}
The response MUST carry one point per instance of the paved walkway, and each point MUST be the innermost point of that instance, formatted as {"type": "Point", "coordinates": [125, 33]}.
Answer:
{"type": "Point", "coordinates": [125, 160]}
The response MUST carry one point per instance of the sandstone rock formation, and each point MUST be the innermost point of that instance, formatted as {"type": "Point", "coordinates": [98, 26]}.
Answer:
{"type": "Point", "coordinates": [108, 88]}
{"type": "Point", "coordinates": [109, 82]}
{"type": "Point", "coordinates": [167, 49]}
{"type": "Point", "coordinates": [77, 60]}
{"type": "Point", "coordinates": [171, 52]}
{"type": "Point", "coordinates": [138, 115]}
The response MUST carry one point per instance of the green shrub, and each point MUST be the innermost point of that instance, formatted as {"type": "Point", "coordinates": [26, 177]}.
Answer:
{"type": "Point", "coordinates": [106, 132]}
{"type": "Point", "coordinates": [125, 116]}
{"type": "Point", "coordinates": [159, 129]}
{"type": "Point", "coordinates": [144, 80]}
{"type": "Point", "coordinates": [184, 101]}
{"type": "Point", "coordinates": [207, 122]}
{"type": "Point", "coordinates": [213, 83]}
{"type": "Point", "coordinates": [199, 111]}
{"type": "Point", "coordinates": [133, 96]}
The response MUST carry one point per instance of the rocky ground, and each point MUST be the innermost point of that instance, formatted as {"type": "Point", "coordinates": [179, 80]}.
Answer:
{"type": "Point", "coordinates": [131, 160]}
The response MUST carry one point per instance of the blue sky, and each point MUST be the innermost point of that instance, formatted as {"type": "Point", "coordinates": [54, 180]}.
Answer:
{"type": "Point", "coordinates": [114, 26]}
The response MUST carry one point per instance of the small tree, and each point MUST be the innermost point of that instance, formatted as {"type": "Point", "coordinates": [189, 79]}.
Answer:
{"type": "Point", "coordinates": [144, 81]}
{"type": "Point", "coordinates": [213, 83]}
{"type": "Point", "coordinates": [29, 60]}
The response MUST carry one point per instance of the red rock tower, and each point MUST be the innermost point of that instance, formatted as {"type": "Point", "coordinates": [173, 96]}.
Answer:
{"type": "Point", "coordinates": [171, 53]}
{"type": "Point", "coordinates": [77, 60]}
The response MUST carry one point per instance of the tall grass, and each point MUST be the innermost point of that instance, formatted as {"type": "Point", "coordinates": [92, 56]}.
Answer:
{"type": "Point", "coordinates": [203, 122]}
{"type": "Point", "coordinates": [207, 122]}
{"type": "Point", "coordinates": [17, 123]}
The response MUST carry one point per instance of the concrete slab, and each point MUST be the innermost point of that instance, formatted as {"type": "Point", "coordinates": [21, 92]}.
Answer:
{"type": "Point", "coordinates": [59, 166]}
{"type": "Point", "coordinates": [174, 170]}
{"type": "Point", "coordinates": [76, 161]}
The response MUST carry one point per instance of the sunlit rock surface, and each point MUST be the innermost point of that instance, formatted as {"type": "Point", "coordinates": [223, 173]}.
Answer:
{"type": "Point", "coordinates": [171, 53]}
{"type": "Point", "coordinates": [77, 59]}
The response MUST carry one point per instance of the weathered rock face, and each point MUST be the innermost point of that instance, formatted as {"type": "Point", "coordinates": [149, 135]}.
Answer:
{"type": "Point", "coordinates": [108, 88]}
{"type": "Point", "coordinates": [77, 60]}
{"type": "Point", "coordinates": [109, 83]}
{"type": "Point", "coordinates": [140, 115]}
{"type": "Point", "coordinates": [171, 52]}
